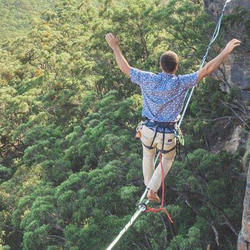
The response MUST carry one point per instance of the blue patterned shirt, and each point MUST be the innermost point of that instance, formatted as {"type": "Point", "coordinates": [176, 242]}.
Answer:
{"type": "Point", "coordinates": [163, 94]}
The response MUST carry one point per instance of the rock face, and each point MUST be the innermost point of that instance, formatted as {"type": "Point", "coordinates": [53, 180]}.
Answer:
{"type": "Point", "coordinates": [233, 144]}
{"type": "Point", "coordinates": [214, 7]}
{"type": "Point", "coordinates": [235, 71]}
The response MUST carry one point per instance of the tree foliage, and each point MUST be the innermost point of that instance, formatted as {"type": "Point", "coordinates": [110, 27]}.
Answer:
{"type": "Point", "coordinates": [18, 16]}
{"type": "Point", "coordinates": [70, 168]}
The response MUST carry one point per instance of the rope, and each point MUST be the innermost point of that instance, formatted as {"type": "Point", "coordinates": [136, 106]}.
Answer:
{"type": "Point", "coordinates": [133, 218]}
{"type": "Point", "coordinates": [161, 208]}
{"type": "Point", "coordinates": [215, 35]}
{"type": "Point", "coordinates": [142, 208]}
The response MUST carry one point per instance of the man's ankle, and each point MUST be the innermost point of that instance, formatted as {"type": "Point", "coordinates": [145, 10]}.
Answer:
{"type": "Point", "coordinates": [151, 191]}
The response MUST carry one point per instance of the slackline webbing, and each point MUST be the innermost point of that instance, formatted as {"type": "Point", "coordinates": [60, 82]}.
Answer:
{"type": "Point", "coordinates": [142, 207]}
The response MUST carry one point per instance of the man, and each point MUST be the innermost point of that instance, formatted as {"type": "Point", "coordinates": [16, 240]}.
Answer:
{"type": "Point", "coordinates": [163, 98]}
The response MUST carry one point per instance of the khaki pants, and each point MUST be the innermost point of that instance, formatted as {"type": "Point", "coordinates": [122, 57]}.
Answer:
{"type": "Point", "coordinates": [152, 177]}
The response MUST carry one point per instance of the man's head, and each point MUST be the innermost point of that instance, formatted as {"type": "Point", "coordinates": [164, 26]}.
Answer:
{"type": "Point", "coordinates": [169, 62]}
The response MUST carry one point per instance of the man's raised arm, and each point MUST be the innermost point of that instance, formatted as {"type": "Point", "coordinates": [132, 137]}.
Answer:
{"type": "Point", "coordinates": [215, 63]}
{"type": "Point", "coordinates": [113, 42]}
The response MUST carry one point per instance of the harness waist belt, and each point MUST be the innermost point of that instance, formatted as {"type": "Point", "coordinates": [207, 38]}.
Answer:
{"type": "Point", "coordinates": [162, 124]}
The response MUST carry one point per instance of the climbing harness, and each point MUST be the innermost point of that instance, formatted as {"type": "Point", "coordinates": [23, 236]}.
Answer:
{"type": "Point", "coordinates": [142, 207]}
{"type": "Point", "coordinates": [170, 126]}
{"type": "Point", "coordinates": [164, 126]}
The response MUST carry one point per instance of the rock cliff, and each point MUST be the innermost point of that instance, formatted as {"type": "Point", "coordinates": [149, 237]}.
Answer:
{"type": "Point", "coordinates": [236, 24]}
{"type": "Point", "coordinates": [236, 73]}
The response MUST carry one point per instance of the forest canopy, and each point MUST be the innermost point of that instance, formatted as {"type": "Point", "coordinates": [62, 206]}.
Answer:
{"type": "Point", "coordinates": [18, 16]}
{"type": "Point", "coordinates": [70, 167]}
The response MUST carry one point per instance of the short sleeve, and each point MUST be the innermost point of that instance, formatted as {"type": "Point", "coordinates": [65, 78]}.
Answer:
{"type": "Point", "coordinates": [141, 77]}
{"type": "Point", "coordinates": [189, 80]}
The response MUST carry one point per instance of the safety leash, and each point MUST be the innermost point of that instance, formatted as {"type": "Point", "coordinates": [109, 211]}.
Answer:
{"type": "Point", "coordinates": [161, 208]}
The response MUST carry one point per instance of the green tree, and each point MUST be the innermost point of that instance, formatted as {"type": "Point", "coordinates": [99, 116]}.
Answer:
{"type": "Point", "coordinates": [70, 167]}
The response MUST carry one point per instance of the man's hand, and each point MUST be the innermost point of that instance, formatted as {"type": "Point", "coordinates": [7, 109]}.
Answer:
{"type": "Point", "coordinates": [211, 66]}
{"type": "Point", "coordinates": [113, 41]}
{"type": "Point", "coordinates": [232, 45]}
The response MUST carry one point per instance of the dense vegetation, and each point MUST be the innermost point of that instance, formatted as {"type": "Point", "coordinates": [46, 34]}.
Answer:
{"type": "Point", "coordinates": [70, 168]}
{"type": "Point", "coordinates": [18, 16]}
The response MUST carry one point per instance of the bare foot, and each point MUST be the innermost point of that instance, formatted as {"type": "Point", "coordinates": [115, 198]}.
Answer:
{"type": "Point", "coordinates": [152, 196]}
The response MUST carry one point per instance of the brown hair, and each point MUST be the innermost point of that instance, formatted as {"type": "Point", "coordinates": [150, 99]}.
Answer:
{"type": "Point", "coordinates": [168, 61]}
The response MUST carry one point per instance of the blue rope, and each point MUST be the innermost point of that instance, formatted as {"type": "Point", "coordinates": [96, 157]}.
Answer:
{"type": "Point", "coordinates": [215, 35]}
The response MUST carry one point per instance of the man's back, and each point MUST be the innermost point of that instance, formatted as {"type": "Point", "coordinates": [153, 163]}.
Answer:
{"type": "Point", "coordinates": [163, 94]}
